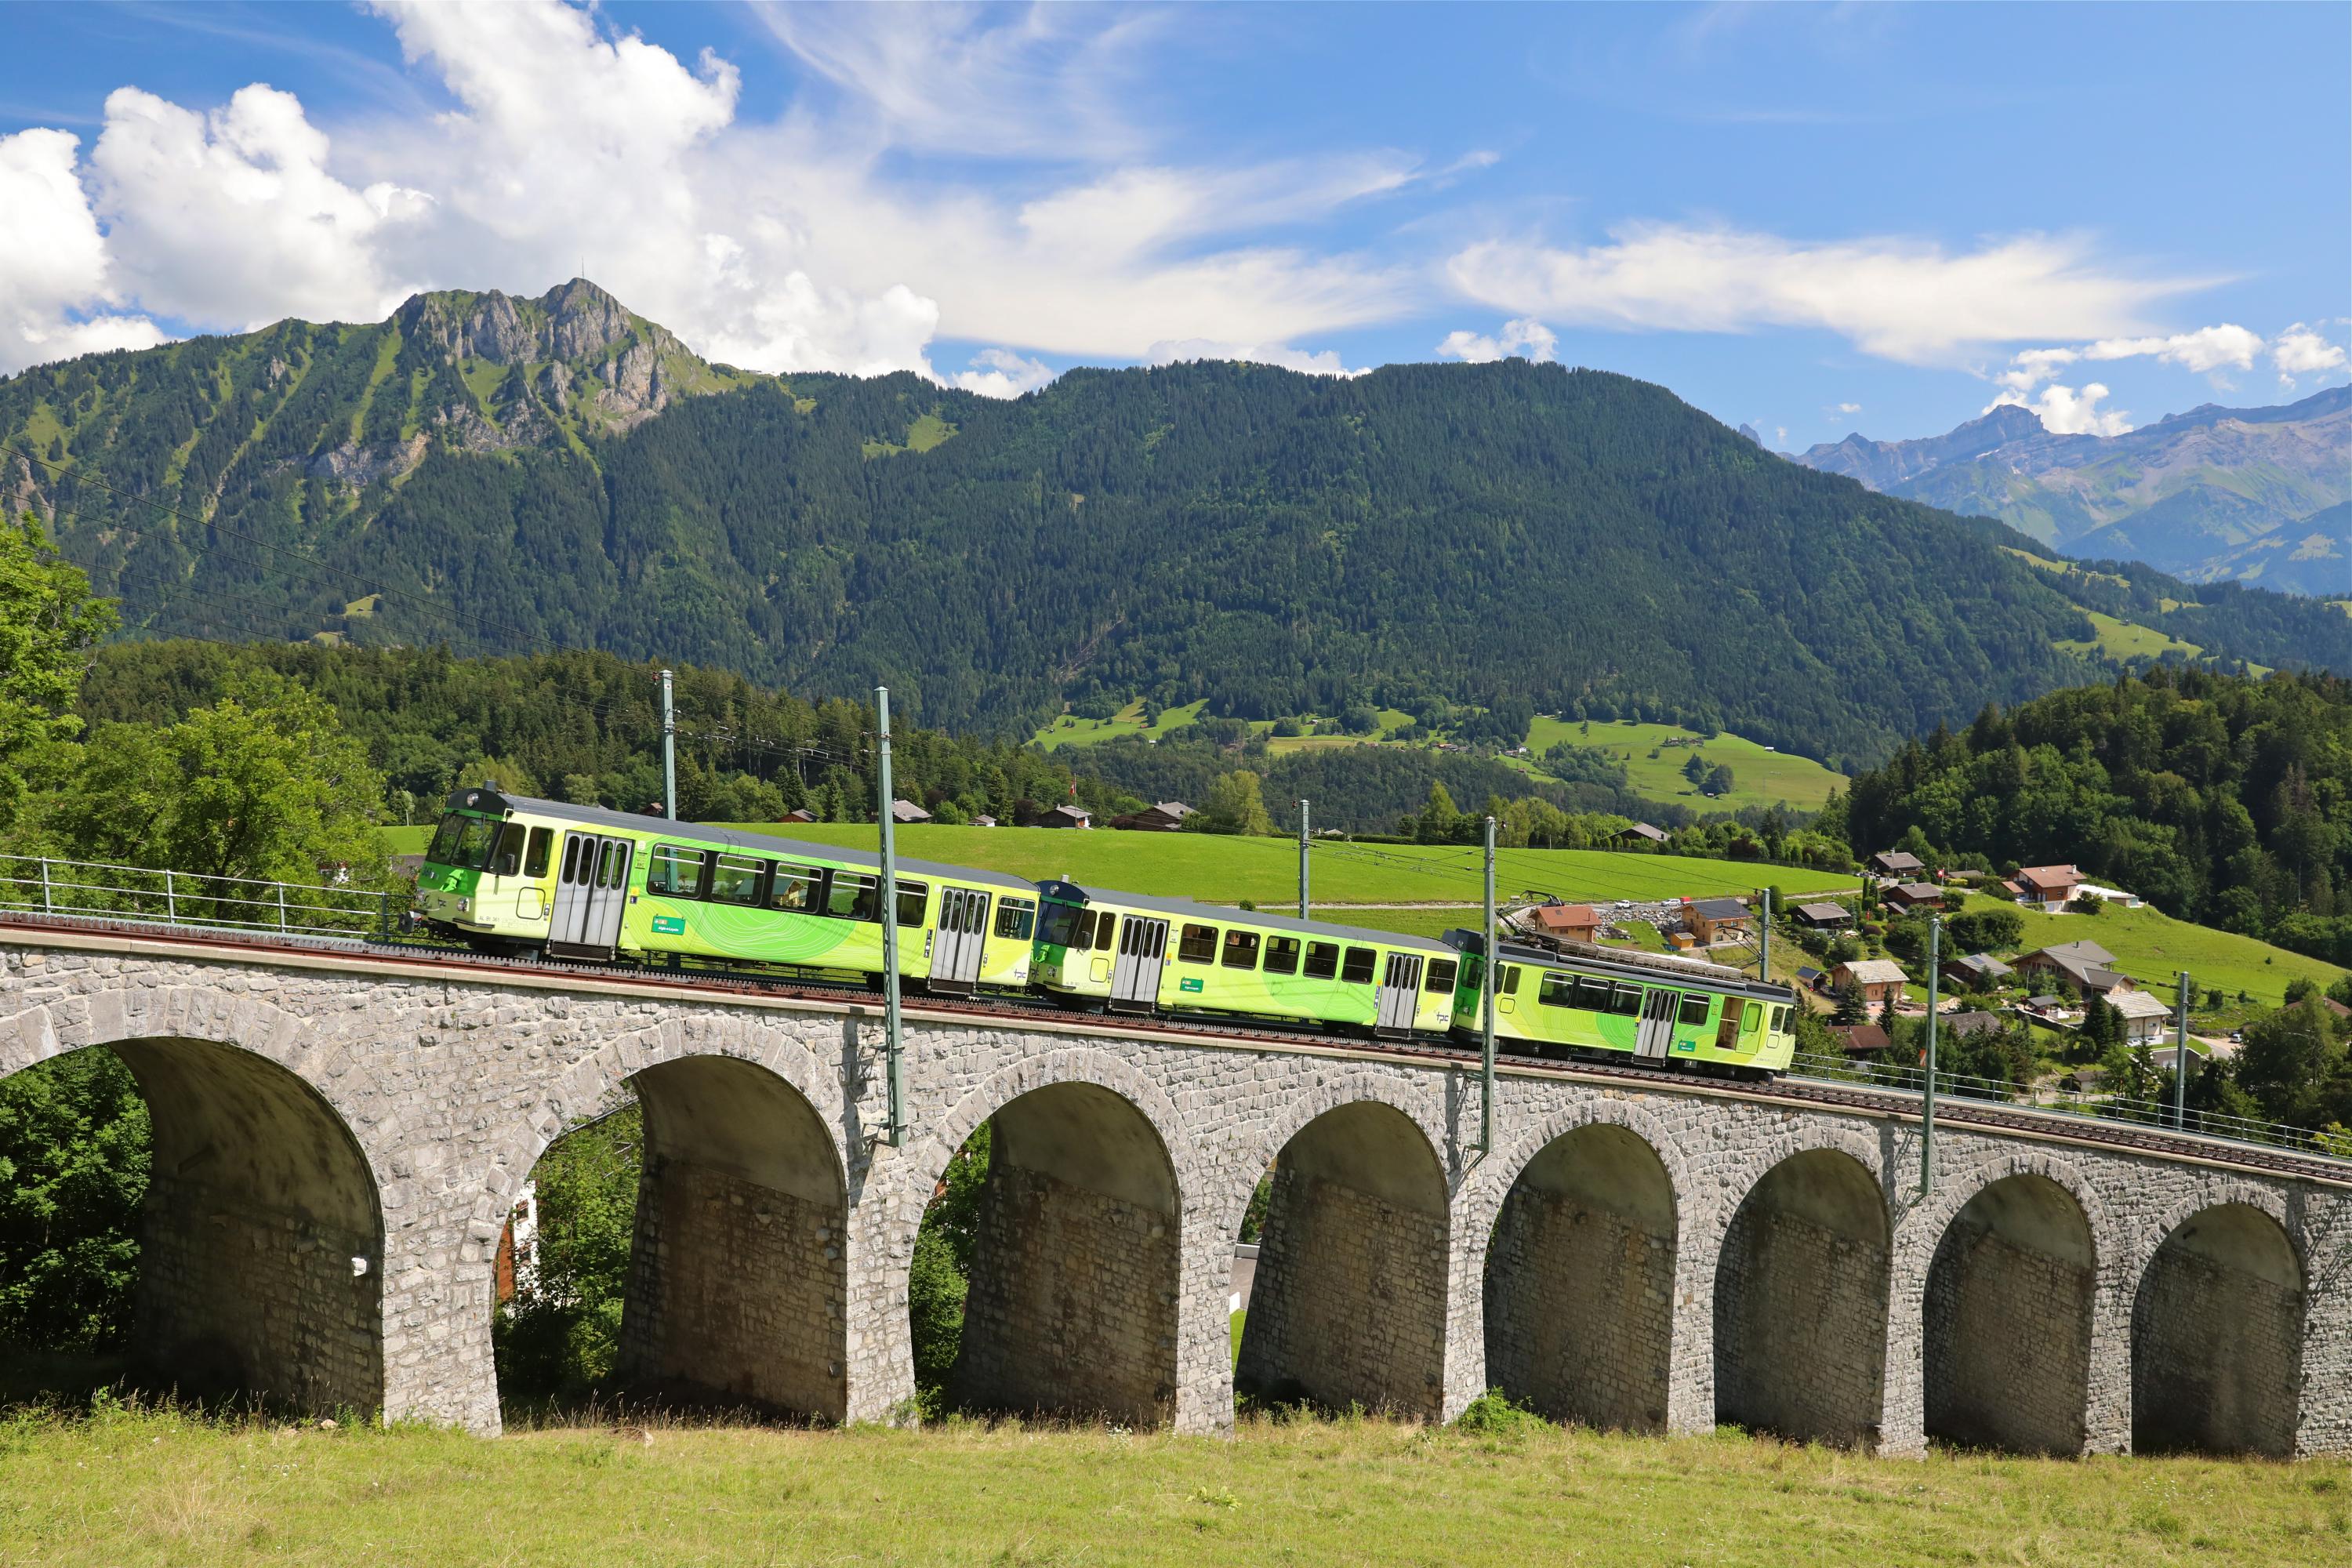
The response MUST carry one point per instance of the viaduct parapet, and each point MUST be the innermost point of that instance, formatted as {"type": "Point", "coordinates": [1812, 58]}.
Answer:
{"type": "Point", "coordinates": [338, 1140]}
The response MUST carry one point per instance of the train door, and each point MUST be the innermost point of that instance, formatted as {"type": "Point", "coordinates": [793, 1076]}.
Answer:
{"type": "Point", "coordinates": [592, 890]}
{"type": "Point", "coordinates": [963, 932]}
{"type": "Point", "coordinates": [1135, 972]}
{"type": "Point", "coordinates": [1399, 993]}
{"type": "Point", "coordinates": [1658, 1035]}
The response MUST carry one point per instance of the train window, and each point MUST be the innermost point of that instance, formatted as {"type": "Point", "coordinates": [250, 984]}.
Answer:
{"type": "Point", "coordinates": [913, 899]}
{"type": "Point", "coordinates": [612, 870]}
{"type": "Point", "coordinates": [1357, 969]}
{"type": "Point", "coordinates": [1241, 949]}
{"type": "Point", "coordinates": [1060, 926]}
{"type": "Point", "coordinates": [1281, 955]}
{"type": "Point", "coordinates": [674, 872]}
{"type": "Point", "coordinates": [1197, 945]}
{"type": "Point", "coordinates": [1780, 1019]}
{"type": "Point", "coordinates": [443, 850]}
{"type": "Point", "coordinates": [534, 859]}
{"type": "Point", "coordinates": [1015, 918]}
{"type": "Point", "coordinates": [1441, 977]}
{"type": "Point", "coordinates": [507, 858]}
{"type": "Point", "coordinates": [1508, 981]}
{"type": "Point", "coordinates": [793, 888]}
{"type": "Point", "coordinates": [476, 839]}
{"type": "Point", "coordinates": [1626, 1001]}
{"type": "Point", "coordinates": [1695, 1006]}
{"type": "Point", "coordinates": [1558, 991]}
{"type": "Point", "coordinates": [853, 896]}
{"type": "Point", "coordinates": [735, 880]}
{"type": "Point", "coordinates": [1322, 960]}
{"type": "Point", "coordinates": [1591, 994]}
{"type": "Point", "coordinates": [1755, 1018]}
{"type": "Point", "coordinates": [571, 843]}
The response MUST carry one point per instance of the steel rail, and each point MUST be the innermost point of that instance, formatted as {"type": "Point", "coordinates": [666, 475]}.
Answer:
{"type": "Point", "coordinates": [1877, 1100]}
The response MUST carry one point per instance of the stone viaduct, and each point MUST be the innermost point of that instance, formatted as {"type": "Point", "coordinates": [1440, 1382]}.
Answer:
{"type": "Point", "coordinates": [339, 1137]}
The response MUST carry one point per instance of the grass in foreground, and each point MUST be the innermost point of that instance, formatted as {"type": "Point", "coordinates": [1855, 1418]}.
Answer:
{"type": "Point", "coordinates": [135, 1490]}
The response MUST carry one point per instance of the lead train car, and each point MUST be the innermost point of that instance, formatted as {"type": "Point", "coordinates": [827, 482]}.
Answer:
{"type": "Point", "coordinates": [1552, 1005]}
{"type": "Point", "coordinates": [1135, 955]}
{"type": "Point", "coordinates": [508, 873]}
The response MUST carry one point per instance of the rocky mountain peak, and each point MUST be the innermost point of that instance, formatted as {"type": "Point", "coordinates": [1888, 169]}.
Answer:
{"type": "Point", "coordinates": [572, 322]}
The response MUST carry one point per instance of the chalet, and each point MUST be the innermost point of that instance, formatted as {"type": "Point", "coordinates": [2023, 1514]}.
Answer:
{"type": "Point", "coordinates": [1855, 1039]}
{"type": "Point", "coordinates": [1960, 878]}
{"type": "Point", "coordinates": [1896, 863]}
{"type": "Point", "coordinates": [2338, 1009]}
{"type": "Point", "coordinates": [1711, 921]}
{"type": "Point", "coordinates": [1572, 922]}
{"type": "Point", "coordinates": [1875, 980]}
{"type": "Point", "coordinates": [1165, 817]}
{"type": "Point", "coordinates": [1961, 1025]}
{"type": "Point", "coordinates": [984, 822]}
{"type": "Point", "coordinates": [2008, 889]}
{"type": "Point", "coordinates": [908, 811]}
{"type": "Point", "coordinates": [2084, 966]}
{"type": "Point", "coordinates": [1909, 896]}
{"type": "Point", "coordinates": [2047, 887]}
{"type": "Point", "coordinates": [2145, 1017]}
{"type": "Point", "coordinates": [1810, 978]}
{"type": "Point", "coordinates": [1977, 971]}
{"type": "Point", "coordinates": [1641, 836]}
{"type": "Point", "coordinates": [800, 814]}
{"type": "Point", "coordinates": [1822, 917]}
{"type": "Point", "coordinates": [1065, 816]}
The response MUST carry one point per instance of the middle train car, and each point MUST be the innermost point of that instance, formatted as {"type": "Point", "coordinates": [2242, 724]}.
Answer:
{"type": "Point", "coordinates": [1137, 955]}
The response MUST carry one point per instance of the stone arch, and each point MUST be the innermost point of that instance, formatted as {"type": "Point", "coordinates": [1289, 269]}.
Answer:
{"type": "Point", "coordinates": [2008, 1306]}
{"type": "Point", "coordinates": [1075, 1281]}
{"type": "Point", "coordinates": [1348, 1299]}
{"type": "Point", "coordinates": [2217, 1330]}
{"type": "Point", "coordinates": [1801, 1281]}
{"type": "Point", "coordinates": [1579, 1276]}
{"type": "Point", "coordinates": [262, 1234]}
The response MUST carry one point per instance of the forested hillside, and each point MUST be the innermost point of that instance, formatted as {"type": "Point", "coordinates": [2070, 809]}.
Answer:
{"type": "Point", "coordinates": [501, 474]}
{"type": "Point", "coordinates": [2221, 800]}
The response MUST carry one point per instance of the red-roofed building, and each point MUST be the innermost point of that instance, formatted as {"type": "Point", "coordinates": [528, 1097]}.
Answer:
{"type": "Point", "coordinates": [1572, 922]}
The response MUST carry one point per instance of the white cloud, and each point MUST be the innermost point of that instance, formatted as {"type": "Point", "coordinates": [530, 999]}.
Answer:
{"type": "Point", "coordinates": [2033, 366]}
{"type": "Point", "coordinates": [2206, 350]}
{"type": "Point", "coordinates": [1001, 373]}
{"type": "Point", "coordinates": [2065, 412]}
{"type": "Point", "coordinates": [1849, 408]}
{"type": "Point", "coordinates": [1898, 299]}
{"type": "Point", "coordinates": [1781, 436]}
{"type": "Point", "coordinates": [1525, 336]}
{"type": "Point", "coordinates": [1322, 362]}
{"type": "Point", "coordinates": [56, 277]}
{"type": "Point", "coordinates": [2300, 351]}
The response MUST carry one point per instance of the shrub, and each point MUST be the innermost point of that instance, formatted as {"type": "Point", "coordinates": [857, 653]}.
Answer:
{"type": "Point", "coordinates": [1493, 1415]}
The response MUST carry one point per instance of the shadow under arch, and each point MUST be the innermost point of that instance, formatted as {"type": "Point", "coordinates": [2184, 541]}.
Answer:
{"type": "Point", "coordinates": [2217, 1338]}
{"type": "Point", "coordinates": [1800, 1300]}
{"type": "Point", "coordinates": [261, 1237]}
{"type": "Point", "coordinates": [2006, 1321]}
{"type": "Point", "coordinates": [1071, 1306]}
{"type": "Point", "coordinates": [738, 1270]}
{"type": "Point", "coordinates": [1348, 1301]}
{"type": "Point", "coordinates": [1580, 1279]}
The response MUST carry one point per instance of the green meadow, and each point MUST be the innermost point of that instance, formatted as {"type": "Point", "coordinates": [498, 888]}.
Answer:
{"type": "Point", "coordinates": [1759, 777]}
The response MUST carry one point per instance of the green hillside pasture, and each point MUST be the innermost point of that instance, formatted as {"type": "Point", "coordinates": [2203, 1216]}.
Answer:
{"type": "Point", "coordinates": [2121, 640]}
{"type": "Point", "coordinates": [2152, 947]}
{"type": "Point", "coordinates": [1069, 730]}
{"type": "Point", "coordinates": [1758, 777]}
{"type": "Point", "coordinates": [134, 1491]}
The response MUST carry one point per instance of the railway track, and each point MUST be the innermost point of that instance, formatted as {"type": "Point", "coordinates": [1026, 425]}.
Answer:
{"type": "Point", "coordinates": [428, 958]}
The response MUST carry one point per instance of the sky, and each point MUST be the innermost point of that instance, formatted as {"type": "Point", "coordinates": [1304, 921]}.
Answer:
{"type": "Point", "coordinates": [1815, 219]}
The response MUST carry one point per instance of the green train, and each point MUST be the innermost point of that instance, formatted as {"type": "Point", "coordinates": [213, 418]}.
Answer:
{"type": "Point", "coordinates": [507, 874]}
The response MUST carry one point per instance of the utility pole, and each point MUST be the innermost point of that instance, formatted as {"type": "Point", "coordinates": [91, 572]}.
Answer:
{"type": "Point", "coordinates": [1928, 1103]}
{"type": "Point", "coordinates": [1764, 944]}
{"type": "Point", "coordinates": [893, 1054]}
{"type": "Point", "coordinates": [1493, 956]}
{"type": "Point", "coordinates": [2180, 1059]}
{"type": "Point", "coordinates": [1302, 859]}
{"type": "Point", "coordinates": [669, 752]}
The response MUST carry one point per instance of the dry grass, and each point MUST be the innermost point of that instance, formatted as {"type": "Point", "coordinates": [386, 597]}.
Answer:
{"type": "Point", "coordinates": [140, 1489]}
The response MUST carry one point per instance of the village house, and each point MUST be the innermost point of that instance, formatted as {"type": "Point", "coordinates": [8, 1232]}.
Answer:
{"type": "Point", "coordinates": [2085, 967]}
{"type": "Point", "coordinates": [1909, 896]}
{"type": "Point", "coordinates": [1961, 1025]}
{"type": "Point", "coordinates": [1167, 816]}
{"type": "Point", "coordinates": [1822, 917]}
{"type": "Point", "coordinates": [1642, 835]}
{"type": "Point", "coordinates": [1710, 921]}
{"type": "Point", "coordinates": [1858, 1039]}
{"type": "Point", "coordinates": [800, 814]}
{"type": "Point", "coordinates": [1896, 863]}
{"type": "Point", "coordinates": [2047, 887]}
{"type": "Point", "coordinates": [1977, 971]}
{"type": "Point", "coordinates": [908, 811]}
{"type": "Point", "coordinates": [984, 822]}
{"type": "Point", "coordinates": [1065, 816]}
{"type": "Point", "coordinates": [1570, 923]}
{"type": "Point", "coordinates": [2145, 1017]}
{"type": "Point", "coordinates": [1875, 980]}
{"type": "Point", "coordinates": [1810, 978]}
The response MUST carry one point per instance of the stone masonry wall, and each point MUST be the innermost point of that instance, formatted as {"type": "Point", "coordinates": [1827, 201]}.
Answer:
{"type": "Point", "coordinates": [1072, 1309]}
{"type": "Point", "coordinates": [1580, 1316]}
{"type": "Point", "coordinates": [1349, 1303]}
{"type": "Point", "coordinates": [2214, 1359]}
{"type": "Point", "coordinates": [736, 1294]}
{"type": "Point", "coordinates": [2008, 1344]}
{"type": "Point", "coordinates": [1800, 1330]}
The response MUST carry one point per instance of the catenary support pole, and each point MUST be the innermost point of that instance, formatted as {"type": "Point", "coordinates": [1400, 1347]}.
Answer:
{"type": "Point", "coordinates": [1492, 952]}
{"type": "Point", "coordinates": [1302, 859]}
{"type": "Point", "coordinates": [2180, 1058]}
{"type": "Point", "coordinates": [1927, 1100]}
{"type": "Point", "coordinates": [1764, 942]}
{"type": "Point", "coordinates": [893, 1052]}
{"type": "Point", "coordinates": [670, 752]}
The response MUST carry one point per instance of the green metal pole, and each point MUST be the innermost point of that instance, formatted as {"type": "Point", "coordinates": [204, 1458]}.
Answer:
{"type": "Point", "coordinates": [1927, 1104]}
{"type": "Point", "coordinates": [894, 1054]}
{"type": "Point", "coordinates": [2180, 1059]}
{"type": "Point", "coordinates": [1764, 949]}
{"type": "Point", "coordinates": [1302, 859]}
{"type": "Point", "coordinates": [1494, 954]}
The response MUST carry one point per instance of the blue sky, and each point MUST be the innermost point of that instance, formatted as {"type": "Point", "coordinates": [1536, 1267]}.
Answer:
{"type": "Point", "coordinates": [1818, 219]}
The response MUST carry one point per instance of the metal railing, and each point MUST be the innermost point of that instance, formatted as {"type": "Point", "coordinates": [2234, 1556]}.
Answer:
{"type": "Point", "coordinates": [2074, 1101]}
{"type": "Point", "coordinates": [93, 890]}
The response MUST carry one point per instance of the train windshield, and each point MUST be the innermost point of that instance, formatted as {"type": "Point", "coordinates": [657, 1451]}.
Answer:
{"type": "Point", "coordinates": [465, 842]}
{"type": "Point", "coordinates": [1060, 923]}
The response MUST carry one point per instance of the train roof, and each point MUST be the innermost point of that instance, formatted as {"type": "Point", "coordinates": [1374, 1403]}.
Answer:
{"type": "Point", "coordinates": [497, 801]}
{"type": "Point", "coordinates": [1650, 966]}
{"type": "Point", "coordinates": [1227, 915]}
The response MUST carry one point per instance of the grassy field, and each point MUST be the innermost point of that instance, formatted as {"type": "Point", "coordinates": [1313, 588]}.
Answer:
{"type": "Point", "coordinates": [1758, 777]}
{"type": "Point", "coordinates": [2120, 639]}
{"type": "Point", "coordinates": [1069, 730]}
{"type": "Point", "coordinates": [2152, 947]}
{"type": "Point", "coordinates": [134, 1491]}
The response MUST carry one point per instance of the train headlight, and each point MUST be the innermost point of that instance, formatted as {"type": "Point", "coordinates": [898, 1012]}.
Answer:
{"type": "Point", "coordinates": [462, 905]}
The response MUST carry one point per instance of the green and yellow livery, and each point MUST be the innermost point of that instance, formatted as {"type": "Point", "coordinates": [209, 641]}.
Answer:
{"type": "Point", "coordinates": [1554, 1006]}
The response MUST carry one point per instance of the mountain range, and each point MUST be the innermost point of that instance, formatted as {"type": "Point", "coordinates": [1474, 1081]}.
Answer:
{"type": "Point", "coordinates": [2257, 495]}
{"type": "Point", "coordinates": [503, 474]}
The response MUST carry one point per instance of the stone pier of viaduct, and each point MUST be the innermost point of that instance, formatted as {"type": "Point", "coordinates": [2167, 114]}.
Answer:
{"type": "Point", "coordinates": [338, 1140]}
